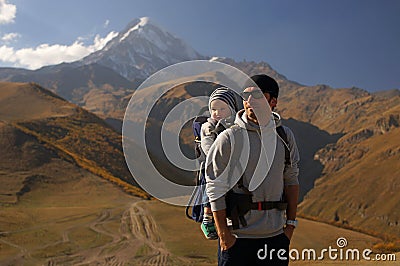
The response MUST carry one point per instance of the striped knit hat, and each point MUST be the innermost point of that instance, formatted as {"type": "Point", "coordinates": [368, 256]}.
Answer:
{"type": "Point", "coordinates": [226, 95]}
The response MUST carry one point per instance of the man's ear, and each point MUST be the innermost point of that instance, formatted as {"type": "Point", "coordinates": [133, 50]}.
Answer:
{"type": "Point", "coordinates": [272, 103]}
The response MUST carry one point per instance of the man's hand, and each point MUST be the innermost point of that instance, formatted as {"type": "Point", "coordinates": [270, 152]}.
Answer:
{"type": "Point", "coordinates": [227, 241]}
{"type": "Point", "coordinates": [288, 230]}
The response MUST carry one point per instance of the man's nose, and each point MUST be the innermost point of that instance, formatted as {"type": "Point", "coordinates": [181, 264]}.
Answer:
{"type": "Point", "coordinates": [250, 99]}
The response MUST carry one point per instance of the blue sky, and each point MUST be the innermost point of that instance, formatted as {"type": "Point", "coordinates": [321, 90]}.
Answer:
{"type": "Point", "coordinates": [342, 43]}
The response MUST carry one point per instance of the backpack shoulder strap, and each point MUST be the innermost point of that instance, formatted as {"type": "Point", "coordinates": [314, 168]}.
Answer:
{"type": "Point", "coordinates": [196, 126]}
{"type": "Point", "coordinates": [282, 134]}
{"type": "Point", "coordinates": [236, 154]}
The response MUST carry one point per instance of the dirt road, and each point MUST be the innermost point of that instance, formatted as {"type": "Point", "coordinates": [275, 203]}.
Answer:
{"type": "Point", "coordinates": [116, 236]}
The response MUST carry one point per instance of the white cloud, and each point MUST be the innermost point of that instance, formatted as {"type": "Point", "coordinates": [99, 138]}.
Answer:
{"type": "Point", "coordinates": [99, 42]}
{"type": "Point", "coordinates": [46, 54]}
{"type": "Point", "coordinates": [10, 37]}
{"type": "Point", "coordinates": [7, 54]}
{"type": "Point", "coordinates": [106, 23]}
{"type": "Point", "coordinates": [7, 12]}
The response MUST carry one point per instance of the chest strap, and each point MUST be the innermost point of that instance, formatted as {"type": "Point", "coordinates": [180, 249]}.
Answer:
{"type": "Point", "coordinates": [268, 205]}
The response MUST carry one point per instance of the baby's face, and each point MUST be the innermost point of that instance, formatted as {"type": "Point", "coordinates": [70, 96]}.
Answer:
{"type": "Point", "coordinates": [219, 110]}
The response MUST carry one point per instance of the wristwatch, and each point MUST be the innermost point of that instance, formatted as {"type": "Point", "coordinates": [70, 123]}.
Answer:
{"type": "Point", "coordinates": [292, 222]}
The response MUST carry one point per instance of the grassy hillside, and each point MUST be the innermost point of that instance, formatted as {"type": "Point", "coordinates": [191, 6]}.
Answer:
{"type": "Point", "coordinates": [360, 171]}
{"type": "Point", "coordinates": [64, 216]}
{"type": "Point", "coordinates": [64, 130]}
{"type": "Point", "coordinates": [336, 110]}
{"type": "Point", "coordinates": [360, 186]}
{"type": "Point", "coordinates": [57, 204]}
{"type": "Point", "coordinates": [94, 87]}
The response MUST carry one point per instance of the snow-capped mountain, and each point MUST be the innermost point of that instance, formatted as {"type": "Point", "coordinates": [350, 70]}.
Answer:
{"type": "Point", "coordinates": [142, 49]}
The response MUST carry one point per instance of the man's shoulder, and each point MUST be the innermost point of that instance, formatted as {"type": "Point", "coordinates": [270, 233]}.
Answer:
{"type": "Point", "coordinates": [289, 135]}
{"type": "Point", "coordinates": [287, 130]}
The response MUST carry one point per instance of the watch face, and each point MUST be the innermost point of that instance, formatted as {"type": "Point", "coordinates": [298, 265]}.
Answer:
{"type": "Point", "coordinates": [292, 222]}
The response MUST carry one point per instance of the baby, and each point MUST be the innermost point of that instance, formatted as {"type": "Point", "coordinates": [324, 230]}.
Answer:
{"type": "Point", "coordinates": [223, 106]}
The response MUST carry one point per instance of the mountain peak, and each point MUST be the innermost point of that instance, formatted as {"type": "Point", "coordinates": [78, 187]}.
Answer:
{"type": "Point", "coordinates": [135, 25]}
{"type": "Point", "coordinates": [138, 22]}
{"type": "Point", "coordinates": [142, 49]}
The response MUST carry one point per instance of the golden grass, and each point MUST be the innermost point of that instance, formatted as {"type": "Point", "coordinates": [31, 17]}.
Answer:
{"type": "Point", "coordinates": [76, 213]}
{"type": "Point", "coordinates": [19, 101]}
{"type": "Point", "coordinates": [65, 222]}
{"type": "Point", "coordinates": [86, 238]}
{"type": "Point", "coordinates": [363, 194]}
{"type": "Point", "coordinates": [387, 246]}
{"type": "Point", "coordinates": [69, 131]}
{"type": "Point", "coordinates": [184, 238]}
{"type": "Point", "coordinates": [85, 156]}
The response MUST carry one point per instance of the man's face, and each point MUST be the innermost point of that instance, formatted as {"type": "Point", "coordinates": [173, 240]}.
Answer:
{"type": "Point", "coordinates": [254, 101]}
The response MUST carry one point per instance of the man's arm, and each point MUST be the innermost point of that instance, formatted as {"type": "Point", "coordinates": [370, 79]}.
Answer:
{"type": "Point", "coordinates": [292, 196]}
{"type": "Point", "coordinates": [226, 238]}
{"type": "Point", "coordinates": [217, 185]}
{"type": "Point", "coordinates": [291, 181]}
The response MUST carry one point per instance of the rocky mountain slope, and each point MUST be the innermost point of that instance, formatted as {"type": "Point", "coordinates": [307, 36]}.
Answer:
{"type": "Point", "coordinates": [96, 88]}
{"type": "Point", "coordinates": [39, 127]}
{"type": "Point", "coordinates": [361, 171]}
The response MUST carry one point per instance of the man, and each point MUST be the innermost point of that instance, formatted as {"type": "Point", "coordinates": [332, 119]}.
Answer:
{"type": "Point", "coordinates": [259, 235]}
